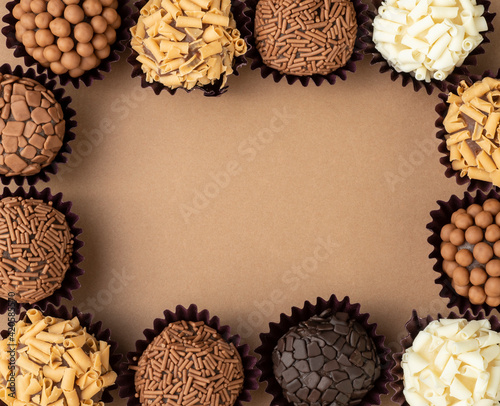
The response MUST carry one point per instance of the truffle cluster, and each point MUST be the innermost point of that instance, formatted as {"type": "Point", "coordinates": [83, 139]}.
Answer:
{"type": "Point", "coordinates": [36, 249]}
{"type": "Point", "coordinates": [328, 359]}
{"type": "Point", "coordinates": [32, 126]}
{"type": "Point", "coordinates": [189, 364]}
{"type": "Point", "coordinates": [67, 35]}
{"type": "Point", "coordinates": [305, 37]}
{"type": "Point", "coordinates": [471, 252]}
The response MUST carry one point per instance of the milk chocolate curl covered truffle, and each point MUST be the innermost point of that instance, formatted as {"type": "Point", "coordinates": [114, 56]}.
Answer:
{"type": "Point", "coordinates": [36, 246]}
{"type": "Point", "coordinates": [67, 36]}
{"type": "Point", "coordinates": [328, 359]}
{"type": "Point", "coordinates": [305, 37]}
{"type": "Point", "coordinates": [472, 127]}
{"type": "Point", "coordinates": [187, 43]}
{"type": "Point", "coordinates": [32, 126]}
{"type": "Point", "coordinates": [189, 364]}
{"type": "Point", "coordinates": [57, 363]}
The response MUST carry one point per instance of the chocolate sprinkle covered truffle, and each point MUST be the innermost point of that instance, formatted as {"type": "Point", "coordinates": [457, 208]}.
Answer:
{"type": "Point", "coordinates": [32, 126]}
{"type": "Point", "coordinates": [328, 359]}
{"type": "Point", "coordinates": [304, 38]}
{"type": "Point", "coordinates": [36, 246]}
{"type": "Point", "coordinates": [189, 364]}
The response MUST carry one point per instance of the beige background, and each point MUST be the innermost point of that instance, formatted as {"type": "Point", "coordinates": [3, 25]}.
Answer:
{"type": "Point", "coordinates": [354, 164]}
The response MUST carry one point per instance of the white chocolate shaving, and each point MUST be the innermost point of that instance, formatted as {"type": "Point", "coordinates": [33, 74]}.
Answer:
{"type": "Point", "coordinates": [444, 32]}
{"type": "Point", "coordinates": [453, 362]}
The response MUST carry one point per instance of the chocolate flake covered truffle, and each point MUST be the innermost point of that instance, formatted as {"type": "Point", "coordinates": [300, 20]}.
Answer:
{"type": "Point", "coordinates": [328, 359]}
{"type": "Point", "coordinates": [189, 364]}
{"type": "Point", "coordinates": [37, 247]}
{"type": "Point", "coordinates": [304, 38]}
{"type": "Point", "coordinates": [32, 126]}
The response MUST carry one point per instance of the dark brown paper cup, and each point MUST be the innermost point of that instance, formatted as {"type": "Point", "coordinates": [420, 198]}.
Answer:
{"type": "Point", "coordinates": [277, 330]}
{"type": "Point", "coordinates": [69, 135]}
{"type": "Point", "coordinates": [454, 77]}
{"type": "Point", "coordinates": [94, 328]}
{"type": "Point", "coordinates": [242, 22]}
{"type": "Point", "coordinates": [70, 281]}
{"type": "Point", "coordinates": [442, 110]}
{"type": "Point", "coordinates": [122, 37]}
{"type": "Point", "coordinates": [440, 218]}
{"type": "Point", "coordinates": [126, 378]}
{"type": "Point", "coordinates": [414, 326]}
{"type": "Point", "coordinates": [362, 39]}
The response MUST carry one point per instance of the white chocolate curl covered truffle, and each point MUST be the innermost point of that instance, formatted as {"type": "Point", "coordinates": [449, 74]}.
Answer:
{"type": "Point", "coordinates": [428, 38]}
{"type": "Point", "coordinates": [453, 362]}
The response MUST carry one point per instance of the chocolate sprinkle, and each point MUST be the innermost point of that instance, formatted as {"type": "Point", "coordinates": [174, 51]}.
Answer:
{"type": "Point", "coordinates": [36, 246]}
{"type": "Point", "coordinates": [320, 380]}
{"type": "Point", "coordinates": [305, 37]}
{"type": "Point", "coordinates": [189, 364]}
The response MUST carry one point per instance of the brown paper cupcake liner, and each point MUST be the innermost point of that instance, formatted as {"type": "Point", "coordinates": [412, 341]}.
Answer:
{"type": "Point", "coordinates": [360, 45]}
{"type": "Point", "coordinates": [277, 330]}
{"type": "Point", "coordinates": [94, 328]}
{"type": "Point", "coordinates": [70, 281]}
{"type": "Point", "coordinates": [413, 327]}
{"type": "Point", "coordinates": [441, 217]}
{"type": "Point", "coordinates": [453, 78]}
{"type": "Point", "coordinates": [122, 38]}
{"type": "Point", "coordinates": [69, 135]}
{"type": "Point", "coordinates": [442, 110]}
{"type": "Point", "coordinates": [126, 376]}
{"type": "Point", "coordinates": [242, 22]}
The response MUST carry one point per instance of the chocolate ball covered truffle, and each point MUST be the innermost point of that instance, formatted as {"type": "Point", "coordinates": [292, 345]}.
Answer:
{"type": "Point", "coordinates": [470, 250]}
{"type": "Point", "coordinates": [53, 31]}
{"type": "Point", "coordinates": [189, 363]}
{"type": "Point", "coordinates": [305, 38]}
{"type": "Point", "coordinates": [32, 126]}
{"type": "Point", "coordinates": [36, 245]}
{"type": "Point", "coordinates": [328, 359]}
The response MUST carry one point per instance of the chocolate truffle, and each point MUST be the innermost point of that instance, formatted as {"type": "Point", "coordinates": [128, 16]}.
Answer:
{"type": "Point", "coordinates": [472, 125]}
{"type": "Point", "coordinates": [328, 359]}
{"type": "Point", "coordinates": [305, 38]}
{"type": "Point", "coordinates": [32, 126]}
{"type": "Point", "coordinates": [67, 37]}
{"type": "Point", "coordinates": [187, 44]}
{"type": "Point", "coordinates": [452, 361]}
{"type": "Point", "coordinates": [37, 248]}
{"type": "Point", "coordinates": [430, 39]}
{"type": "Point", "coordinates": [189, 363]}
{"type": "Point", "coordinates": [472, 262]}
{"type": "Point", "coordinates": [58, 362]}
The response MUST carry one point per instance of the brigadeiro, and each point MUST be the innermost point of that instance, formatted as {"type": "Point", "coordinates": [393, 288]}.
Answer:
{"type": "Point", "coordinates": [466, 242]}
{"type": "Point", "coordinates": [74, 39]}
{"type": "Point", "coordinates": [448, 360]}
{"type": "Point", "coordinates": [324, 354]}
{"type": "Point", "coordinates": [468, 126]}
{"type": "Point", "coordinates": [195, 45]}
{"type": "Point", "coordinates": [427, 43]}
{"type": "Point", "coordinates": [189, 359]}
{"type": "Point", "coordinates": [35, 126]}
{"type": "Point", "coordinates": [315, 40]}
{"type": "Point", "coordinates": [61, 358]}
{"type": "Point", "coordinates": [39, 247]}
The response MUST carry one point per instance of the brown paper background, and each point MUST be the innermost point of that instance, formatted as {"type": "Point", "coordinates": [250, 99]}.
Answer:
{"type": "Point", "coordinates": [138, 158]}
